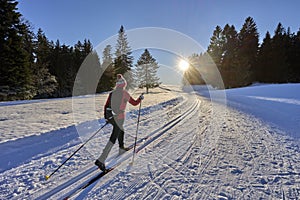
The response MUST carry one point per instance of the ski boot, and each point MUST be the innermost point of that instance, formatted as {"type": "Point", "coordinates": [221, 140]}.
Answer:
{"type": "Point", "coordinates": [123, 150]}
{"type": "Point", "coordinates": [100, 165]}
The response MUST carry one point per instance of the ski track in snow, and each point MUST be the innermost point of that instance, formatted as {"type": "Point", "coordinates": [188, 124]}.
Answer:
{"type": "Point", "coordinates": [28, 174]}
{"type": "Point", "coordinates": [215, 152]}
{"type": "Point", "coordinates": [241, 159]}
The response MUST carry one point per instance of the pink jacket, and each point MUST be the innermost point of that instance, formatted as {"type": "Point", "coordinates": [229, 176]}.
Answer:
{"type": "Point", "coordinates": [125, 98]}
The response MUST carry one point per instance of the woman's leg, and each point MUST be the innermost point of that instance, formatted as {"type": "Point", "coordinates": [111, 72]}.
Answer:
{"type": "Point", "coordinates": [112, 140]}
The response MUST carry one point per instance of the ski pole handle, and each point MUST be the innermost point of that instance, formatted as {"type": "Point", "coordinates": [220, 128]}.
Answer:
{"type": "Point", "coordinates": [141, 97]}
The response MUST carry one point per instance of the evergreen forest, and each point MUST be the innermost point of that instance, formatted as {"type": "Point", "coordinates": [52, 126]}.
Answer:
{"type": "Point", "coordinates": [33, 67]}
{"type": "Point", "coordinates": [242, 60]}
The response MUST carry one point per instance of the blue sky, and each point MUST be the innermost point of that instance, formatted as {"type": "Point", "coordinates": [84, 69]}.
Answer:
{"type": "Point", "coordinates": [73, 20]}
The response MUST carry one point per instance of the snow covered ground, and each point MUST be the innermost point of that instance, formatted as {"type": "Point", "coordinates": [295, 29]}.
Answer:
{"type": "Point", "coordinates": [234, 144]}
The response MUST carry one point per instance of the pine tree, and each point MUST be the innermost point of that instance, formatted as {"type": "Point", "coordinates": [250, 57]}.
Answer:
{"type": "Point", "coordinates": [265, 61]}
{"type": "Point", "coordinates": [62, 66]}
{"type": "Point", "coordinates": [248, 49]}
{"type": "Point", "coordinates": [45, 83]}
{"type": "Point", "coordinates": [15, 60]}
{"type": "Point", "coordinates": [229, 63]}
{"type": "Point", "coordinates": [79, 54]}
{"type": "Point", "coordinates": [123, 61]}
{"type": "Point", "coordinates": [146, 71]}
{"type": "Point", "coordinates": [294, 58]}
{"type": "Point", "coordinates": [81, 51]}
{"type": "Point", "coordinates": [215, 48]}
{"type": "Point", "coordinates": [279, 54]}
{"type": "Point", "coordinates": [108, 73]}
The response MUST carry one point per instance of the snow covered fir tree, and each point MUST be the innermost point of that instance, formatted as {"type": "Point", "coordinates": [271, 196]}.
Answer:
{"type": "Point", "coordinates": [146, 72]}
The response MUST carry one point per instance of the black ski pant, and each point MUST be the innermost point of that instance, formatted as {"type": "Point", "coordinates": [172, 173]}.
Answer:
{"type": "Point", "coordinates": [118, 132]}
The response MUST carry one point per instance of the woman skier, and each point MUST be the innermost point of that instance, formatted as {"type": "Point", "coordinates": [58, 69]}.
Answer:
{"type": "Point", "coordinates": [114, 113]}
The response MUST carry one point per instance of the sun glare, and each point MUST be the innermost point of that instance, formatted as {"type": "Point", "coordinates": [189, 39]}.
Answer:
{"type": "Point", "coordinates": [183, 65]}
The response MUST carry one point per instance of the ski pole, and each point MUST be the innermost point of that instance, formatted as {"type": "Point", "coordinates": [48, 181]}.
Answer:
{"type": "Point", "coordinates": [48, 176]}
{"type": "Point", "coordinates": [137, 129]}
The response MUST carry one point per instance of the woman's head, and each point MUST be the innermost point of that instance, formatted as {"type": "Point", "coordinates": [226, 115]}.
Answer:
{"type": "Point", "coordinates": [121, 82]}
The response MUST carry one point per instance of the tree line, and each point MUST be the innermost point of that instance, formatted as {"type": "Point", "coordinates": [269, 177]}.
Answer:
{"type": "Point", "coordinates": [31, 66]}
{"type": "Point", "coordinates": [241, 60]}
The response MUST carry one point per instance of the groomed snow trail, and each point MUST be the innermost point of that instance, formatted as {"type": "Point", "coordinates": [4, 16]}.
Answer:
{"type": "Point", "coordinates": [147, 139]}
{"type": "Point", "coordinates": [27, 181]}
{"type": "Point", "coordinates": [238, 158]}
{"type": "Point", "coordinates": [190, 148]}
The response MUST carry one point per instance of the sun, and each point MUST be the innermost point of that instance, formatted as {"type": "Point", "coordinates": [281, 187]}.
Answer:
{"type": "Point", "coordinates": [183, 65]}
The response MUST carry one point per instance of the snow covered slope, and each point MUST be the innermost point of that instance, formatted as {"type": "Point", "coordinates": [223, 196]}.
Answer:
{"type": "Point", "coordinates": [189, 147]}
{"type": "Point", "coordinates": [276, 104]}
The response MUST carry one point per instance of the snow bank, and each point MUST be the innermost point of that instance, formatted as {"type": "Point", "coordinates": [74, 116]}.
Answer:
{"type": "Point", "coordinates": [276, 104]}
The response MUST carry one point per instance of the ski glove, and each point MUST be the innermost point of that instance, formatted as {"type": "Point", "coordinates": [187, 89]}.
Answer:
{"type": "Point", "coordinates": [141, 97]}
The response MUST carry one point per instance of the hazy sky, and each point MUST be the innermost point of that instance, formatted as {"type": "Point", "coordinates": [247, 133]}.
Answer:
{"type": "Point", "coordinates": [97, 20]}
{"type": "Point", "coordinates": [73, 20]}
